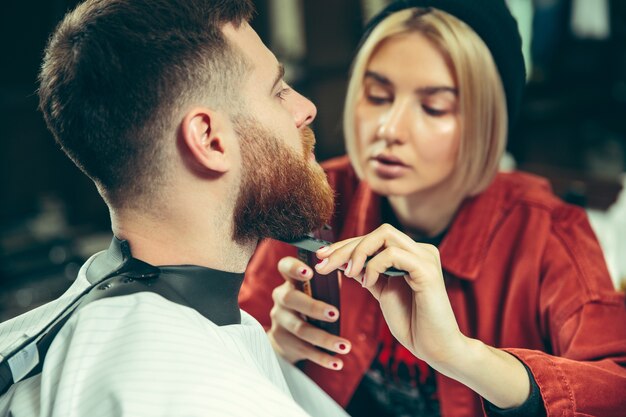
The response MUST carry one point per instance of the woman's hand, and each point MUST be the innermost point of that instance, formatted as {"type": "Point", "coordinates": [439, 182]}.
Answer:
{"type": "Point", "coordinates": [418, 312]}
{"type": "Point", "coordinates": [416, 306]}
{"type": "Point", "coordinates": [291, 336]}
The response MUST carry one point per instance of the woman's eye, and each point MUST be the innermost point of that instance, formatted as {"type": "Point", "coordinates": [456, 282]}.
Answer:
{"type": "Point", "coordinates": [377, 100]}
{"type": "Point", "coordinates": [433, 111]}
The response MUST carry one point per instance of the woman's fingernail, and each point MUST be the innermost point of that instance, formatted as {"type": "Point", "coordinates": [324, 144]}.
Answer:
{"type": "Point", "coordinates": [336, 365]}
{"type": "Point", "coordinates": [361, 279]}
{"type": "Point", "coordinates": [304, 271]}
{"type": "Point", "coordinates": [321, 264]}
{"type": "Point", "coordinates": [323, 249]}
{"type": "Point", "coordinates": [331, 314]}
{"type": "Point", "coordinates": [341, 347]}
{"type": "Point", "coordinates": [348, 268]}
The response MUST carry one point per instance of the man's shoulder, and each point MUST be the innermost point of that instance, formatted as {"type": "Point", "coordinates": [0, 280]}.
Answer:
{"type": "Point", "coordinates": [143, 333]}
{"type": "Point", "coordinates": [33, 321]}
{"type": "Point", "coordinates": [148, 320]}
{"type": "Point", "coordinates": [143, 340]}
{"type": "Point", "coordinates": [143, 309]}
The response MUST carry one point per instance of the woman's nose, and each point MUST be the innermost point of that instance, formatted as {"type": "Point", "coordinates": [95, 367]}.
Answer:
{"type": "Point", "coordinates": [394, 124]}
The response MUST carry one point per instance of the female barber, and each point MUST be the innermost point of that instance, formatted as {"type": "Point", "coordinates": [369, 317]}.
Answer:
{"type": "Point", "coordinates": [507, 307]}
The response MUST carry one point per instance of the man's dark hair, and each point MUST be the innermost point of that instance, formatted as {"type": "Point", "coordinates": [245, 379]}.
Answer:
{"type": "Point", "coordinates": [116, 74]}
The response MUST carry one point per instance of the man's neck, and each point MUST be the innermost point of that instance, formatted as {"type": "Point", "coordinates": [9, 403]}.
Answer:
{"type": "Point", "coordinates": [172, 240]}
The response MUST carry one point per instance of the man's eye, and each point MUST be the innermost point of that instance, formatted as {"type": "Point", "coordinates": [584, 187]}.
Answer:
{"type": "Point", "coordinates": [283, 92]}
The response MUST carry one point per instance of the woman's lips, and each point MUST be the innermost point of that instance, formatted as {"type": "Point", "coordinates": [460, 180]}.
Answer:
{"type": "Point", "coordinates": [389, 166]}
{"type": "Point", "coordinates": [389, 159]}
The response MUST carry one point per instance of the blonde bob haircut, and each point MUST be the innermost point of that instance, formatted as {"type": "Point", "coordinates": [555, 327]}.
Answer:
{"type": "Point", "coordinates": [482, 102]}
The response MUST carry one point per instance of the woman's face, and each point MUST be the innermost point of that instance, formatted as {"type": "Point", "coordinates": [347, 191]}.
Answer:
{"type": "Point", "coordinates": [407, 117]}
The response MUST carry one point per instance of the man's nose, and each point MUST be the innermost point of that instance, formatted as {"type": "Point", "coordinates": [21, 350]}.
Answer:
{"type": "Point", "coordinates": [303, 110]}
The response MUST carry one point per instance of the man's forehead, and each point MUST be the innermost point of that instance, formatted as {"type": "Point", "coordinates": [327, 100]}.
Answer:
{"type": "Point", "coordinates": [251, 45]}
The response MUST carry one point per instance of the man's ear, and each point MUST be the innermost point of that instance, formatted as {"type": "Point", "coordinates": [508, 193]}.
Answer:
{"type": "Point", "coordinates": [204, 132]}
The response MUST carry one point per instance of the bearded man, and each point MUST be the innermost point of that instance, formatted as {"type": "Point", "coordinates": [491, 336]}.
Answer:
{"type": "Point", "coordinates": [181, 117]}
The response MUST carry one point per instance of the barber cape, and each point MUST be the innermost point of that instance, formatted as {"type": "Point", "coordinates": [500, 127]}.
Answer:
{"type": "Point", "coordinates": [143, 354]}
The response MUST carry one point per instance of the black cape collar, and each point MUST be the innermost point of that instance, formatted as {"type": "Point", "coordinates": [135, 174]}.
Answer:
{"type": "Point", "coordinates": [211, 292]}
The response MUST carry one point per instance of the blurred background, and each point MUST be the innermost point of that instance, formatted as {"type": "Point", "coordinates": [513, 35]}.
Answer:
{"type": "Point", "coordinates": [572, 127]}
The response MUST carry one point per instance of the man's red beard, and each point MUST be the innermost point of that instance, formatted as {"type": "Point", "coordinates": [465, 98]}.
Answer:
{"type": "Point", "coordinates": [282, 195]}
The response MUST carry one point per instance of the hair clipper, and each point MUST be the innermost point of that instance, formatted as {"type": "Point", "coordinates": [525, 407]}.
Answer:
{"type": "Point", "coordinates": [321, 287]}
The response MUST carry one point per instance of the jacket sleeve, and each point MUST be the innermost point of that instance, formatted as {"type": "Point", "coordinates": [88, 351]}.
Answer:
{"type": "Point", "coordinates": [583, 320]}
{"type": "Point", "coordinates": [262, 277]}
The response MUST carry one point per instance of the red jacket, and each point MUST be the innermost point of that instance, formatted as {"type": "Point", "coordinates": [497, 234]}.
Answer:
{"type": "Point", "coordinates": [524, 272]}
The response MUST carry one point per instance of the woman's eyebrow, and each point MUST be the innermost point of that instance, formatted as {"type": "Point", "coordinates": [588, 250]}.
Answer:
{"type": "Point", "coordinates": [378, 77]}
{"type": "Point", "coordinates": [422, 91]}
{"type": "Point", "coordinates": [432, 90]}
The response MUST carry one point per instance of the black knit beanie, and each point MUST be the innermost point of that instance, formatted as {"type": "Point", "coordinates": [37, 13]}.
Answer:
{"type": "Point", "coordinates": [493, 22]}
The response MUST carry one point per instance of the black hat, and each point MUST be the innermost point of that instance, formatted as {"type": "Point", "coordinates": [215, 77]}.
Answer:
{"type": "Point", "coordinates": [493, 22]}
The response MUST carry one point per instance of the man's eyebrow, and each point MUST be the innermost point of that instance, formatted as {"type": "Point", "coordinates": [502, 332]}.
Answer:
{"type": "Point", "coordinates": [279, 76]}
{"type": "Point", "coordinates": [423, 91]}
